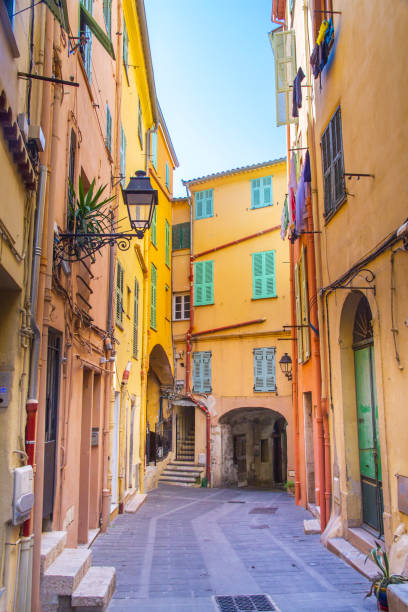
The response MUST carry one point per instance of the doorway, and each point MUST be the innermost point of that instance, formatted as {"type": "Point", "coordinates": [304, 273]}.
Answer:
{"type": "Point", "coordinates": [240, 458]}
{"type": "Point", "coordinates": [115, 450]}
{"type": "Point", "coordinates": [367, 419]}
{"type": "Point", "coordinates": [51, 421]}
{"type": "Point", "coordinates": [309, 447]}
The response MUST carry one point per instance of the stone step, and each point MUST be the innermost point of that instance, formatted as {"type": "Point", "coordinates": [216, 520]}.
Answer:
{"type": "Point", "coordinates": [178, 474]}
{"type": "Point", "coordinates": [186, 454]}
{"type": "Point", "coordinates": [353, 556]}
{"type": "Point", "coordinates": [184, 467]}
{"type": "Point", "coordinates": [52, 545]}
{"type": "Point", "coordinates": [95, 590]}
{"type": "Point", "coordinates": [397, 595]}
{"type": "Point", "coordinates": [362, 539]}
{"type": "Point", "coordinates": [64, 575]}
{"type": "Point", "coordinates": [177, 483]}
{"type": "Point", "coordinates": [311, 526]}
{"type": "Point", "coordinates": [177, 478]}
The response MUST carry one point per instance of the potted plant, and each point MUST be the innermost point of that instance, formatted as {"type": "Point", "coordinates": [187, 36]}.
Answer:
{"type": "Point", "coordinates": [289, 487]}
{"type": "Point", "coordinates": [380, 582]}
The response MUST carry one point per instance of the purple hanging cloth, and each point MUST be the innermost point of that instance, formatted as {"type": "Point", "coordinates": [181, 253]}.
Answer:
{"type": "Point", "coordinates": [301, 195]}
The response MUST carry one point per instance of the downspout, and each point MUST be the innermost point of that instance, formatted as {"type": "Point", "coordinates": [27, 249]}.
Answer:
{"type": "Point", "coordinates": [191, 284]}
{"type": "Point", "coordinates": [294, 347]}
{"type": "Point", "coordinates": [321, 372]}
{"type": "Point", "coordinates": [144, 365]}
{"type": "Point", "coordinates": [106, 495]}
{"type": "Point", "coordinates": [47, 110]}
{"type": "Point", "coordinates": [122, 434]}
{"type": "Point", "coordinates": [316, 371]}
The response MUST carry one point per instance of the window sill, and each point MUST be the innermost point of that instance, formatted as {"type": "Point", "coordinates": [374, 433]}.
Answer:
{"type": "Point", "coordinates": [268, 391]}
{"type": "Point", "coordinates": [270, 297]}
{"type": "Point", "coordinates": [260, 207]}
{"type": "Point", "coordinates": [328, 216]}
{"type": "Point", "coordinates": [208, 304]}
{"type": "Point", "coordinates": [180, 320]}
{"type": "Point", "coordinates": [153, 328]}
{"type": "Point", "coordinates": [201, 218]}
{"type": "Point", "coordinates": [120, 325]}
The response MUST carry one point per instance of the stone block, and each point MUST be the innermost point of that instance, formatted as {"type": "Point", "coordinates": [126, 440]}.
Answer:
{"type": "Point", "coordinates": [67, 571]}
{"type": "Point", "coordinates": [95, 590]}
{"type": "Point", "coordinates": [311, 526]}
{"type": "Point", "coordinates": [398, 597]}
{"type": "Point", "coordinates": [52, 545]}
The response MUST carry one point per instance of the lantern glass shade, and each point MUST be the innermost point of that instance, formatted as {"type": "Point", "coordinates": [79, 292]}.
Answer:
{"type": "Point", "coordinates": [140, 199]}
{"type": "Point", "coordinates": [285, 363]}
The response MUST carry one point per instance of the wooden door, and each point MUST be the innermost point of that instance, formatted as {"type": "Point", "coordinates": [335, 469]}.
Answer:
{"type": "Point", "coordinates": [51, 421]}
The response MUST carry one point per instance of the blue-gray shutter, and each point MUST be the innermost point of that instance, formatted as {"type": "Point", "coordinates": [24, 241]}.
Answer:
{"type": "Point", "coordinates": [264, 369]}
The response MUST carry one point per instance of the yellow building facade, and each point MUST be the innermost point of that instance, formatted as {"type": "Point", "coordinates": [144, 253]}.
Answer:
{"type": "Point", "coordinates": [230, 305]}
{"type": "Point", "coordinates": [139, 116]}
{"type": "Point", "coordinates": [358, 202]}
{"type": "Point", "coordinates": [159, 355]}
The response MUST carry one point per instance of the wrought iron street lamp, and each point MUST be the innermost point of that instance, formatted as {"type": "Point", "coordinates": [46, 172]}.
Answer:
{"type": "Point", "coordinates": [285, 363]}
{"type": "Point", "coordinates": [140, 199]}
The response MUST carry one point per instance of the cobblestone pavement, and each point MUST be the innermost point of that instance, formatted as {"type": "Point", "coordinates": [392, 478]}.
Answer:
{"type": "Point", "coordinates": [185, 546]}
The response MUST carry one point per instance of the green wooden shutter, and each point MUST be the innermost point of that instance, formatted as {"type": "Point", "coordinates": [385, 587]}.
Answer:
{"type": "Point", "coordinates": [154, 150]}
{"type": "Point", "coordinates": [270, 277]}
{"type": "Point", "coordinates": [167, 176]}
{"type": "Point", "coordinates": [206, 372]}
{"type": "Point", "coordinates": [153, 288]}
{"type": "Point", "coordinates": [107, 15]}
{"type": "Point", "coordinates": [199, 201]}
{"type": "Point", "coordinates": [119, 294]}
{"type": "Point", "coordinates": [86, 51]}
{"type": "Point", "coordinates": [256, 193]}
{"type": "Point", "coordinates": [125, 45]}
{"type": "Point", "coordinates": [153, 234]}
{"type": "Point", "coordinates": [284, 50]}
{"type": "Point", "coordinates": [203, 283]}
{"type": "Point", "coordinates": [270, 372]}
{"type": "Point", "coordinates": [202, 372]}
{"type": "Point", "coordinates": [91, 25]}
{"type": "Point", "coordinates": [135, 319]}
{"type": "Point", "coordinates": [167, 242]}
{"type": "Point", "coordinates": [123, 156]}
{"type": "Point", "coordinates": [298, 314]}
{"type": "Point", "coordinates": [259, 370]}
{"type": "Point", "coordinates": [108, 140]}
{"type": "Point", "coordinates": [267, 190]}
{"type": "Point", "coordinates": [180, 236]}
{"type": "Point", "coordinates": [209, 203]}
{"type": "Point", "coordinates": [263, 275]}
{"type": "Point", "coordinates": [197, 372]}
{"type": "Point", "coordinates": [140, 124]}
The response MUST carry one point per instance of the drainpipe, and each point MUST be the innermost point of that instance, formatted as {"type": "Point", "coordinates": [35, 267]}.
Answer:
{"type": "Point", "coordinates": [108, 392]}
{"type": "Point", "coordinates": [204, 408]}
{"type": "Point", "coordinates": [47, 110]}
{"type": "Point", "coordinates": [316, 371]}
{"type": "Point", "coordinates": [122, 434]}
{"type": "Point", "coordinates": [191, 281]}
{"type": "Point", "coordinates": [224, 327]}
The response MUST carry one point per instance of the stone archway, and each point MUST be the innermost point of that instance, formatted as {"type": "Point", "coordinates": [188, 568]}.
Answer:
{"type": "Point", "coordinates": [253, 447]}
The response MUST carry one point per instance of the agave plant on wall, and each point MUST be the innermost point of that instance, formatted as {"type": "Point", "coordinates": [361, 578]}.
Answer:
{"type": "Point", "coordinates": [88, 221]}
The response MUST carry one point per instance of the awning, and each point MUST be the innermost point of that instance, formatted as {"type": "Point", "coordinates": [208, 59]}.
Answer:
{"type": "Point", "coordinates": [60, 12]}
{"type": "Point", "coordinates": [97, 31]}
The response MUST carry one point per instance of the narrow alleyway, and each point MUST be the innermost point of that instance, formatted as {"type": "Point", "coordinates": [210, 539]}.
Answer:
{"type": "Point", "coordinates": [185, 546]}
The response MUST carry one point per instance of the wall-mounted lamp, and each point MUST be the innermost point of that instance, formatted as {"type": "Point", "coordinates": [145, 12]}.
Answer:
{"type": "Point", "coordinates": [285, 363]}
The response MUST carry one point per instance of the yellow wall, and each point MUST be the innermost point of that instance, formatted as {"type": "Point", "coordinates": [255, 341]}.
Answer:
{"type": "Point", "coordinates": [161, 336]}
{"type": "Point", "coordinates": [134, 88]}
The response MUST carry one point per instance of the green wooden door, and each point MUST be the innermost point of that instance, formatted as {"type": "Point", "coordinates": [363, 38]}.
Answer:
{"type": "Point", "coordinates": [368, 438]}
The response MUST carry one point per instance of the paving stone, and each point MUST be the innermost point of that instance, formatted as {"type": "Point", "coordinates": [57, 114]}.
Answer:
{"type": "Point", "coordinates": [184, 546]}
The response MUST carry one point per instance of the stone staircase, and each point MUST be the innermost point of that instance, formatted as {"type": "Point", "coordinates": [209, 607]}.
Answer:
{"type": "Point", "coordinates": [182, 473]}
{"type": "Point", "coordinates": [187, 448]}
{"type": "Point", "coordinates": [68, 582]}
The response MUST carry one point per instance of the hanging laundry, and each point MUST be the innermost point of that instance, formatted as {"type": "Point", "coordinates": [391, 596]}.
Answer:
{"type": "Point", "coordinates": [315, 61]}
{"type": "Point", "coordinates": [297, 92]}
{"type": "Point", "coordinates": [292, 193]}
{"type": "Point", "coordinates": [323, 54]}
{"type": "Point", "coordinates": [328, 37]}
{"type": "Point", "coordinates": [284, 219]}
{"type": "Point", "coordinates": [301, 195]}
{"type": "Point", "coordinates": [322, 32]}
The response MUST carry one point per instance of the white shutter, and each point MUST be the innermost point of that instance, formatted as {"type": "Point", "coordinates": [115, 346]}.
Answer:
{"type": "Point", "coordinates": [284, 50]}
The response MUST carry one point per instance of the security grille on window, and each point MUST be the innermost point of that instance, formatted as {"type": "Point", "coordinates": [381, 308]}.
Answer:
{"type": "Point", "coordinates": [182, 307]}
{"type": "Point", "coordinates": [333, 165]}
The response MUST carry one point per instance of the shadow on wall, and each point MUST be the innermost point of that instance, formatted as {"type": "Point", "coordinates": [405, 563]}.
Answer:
{"type": "Point", "coordinates": [253, 447]}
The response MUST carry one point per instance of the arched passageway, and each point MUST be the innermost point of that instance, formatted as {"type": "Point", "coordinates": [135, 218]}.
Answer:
{"type": "Point", "coordinates": [254, 448]}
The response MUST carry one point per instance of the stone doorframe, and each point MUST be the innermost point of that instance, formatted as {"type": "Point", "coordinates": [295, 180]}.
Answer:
{"type": "Point", "coordinates": [350, 486]}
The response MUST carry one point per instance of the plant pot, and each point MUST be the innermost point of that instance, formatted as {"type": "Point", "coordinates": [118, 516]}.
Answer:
{"type": "Point", "coordinates": [382, 601]}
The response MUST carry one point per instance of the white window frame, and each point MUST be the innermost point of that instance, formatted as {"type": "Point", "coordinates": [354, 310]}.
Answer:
{"type": "Point", "coordinates": [183, 307]}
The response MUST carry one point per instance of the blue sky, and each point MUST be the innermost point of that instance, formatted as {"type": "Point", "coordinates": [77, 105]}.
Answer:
{"type": "Point", "coordinates": [214, 74]}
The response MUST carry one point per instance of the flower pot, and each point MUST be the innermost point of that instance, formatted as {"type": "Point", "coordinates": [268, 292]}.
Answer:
{"type": "Point", "coordinates": [382, 601]}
